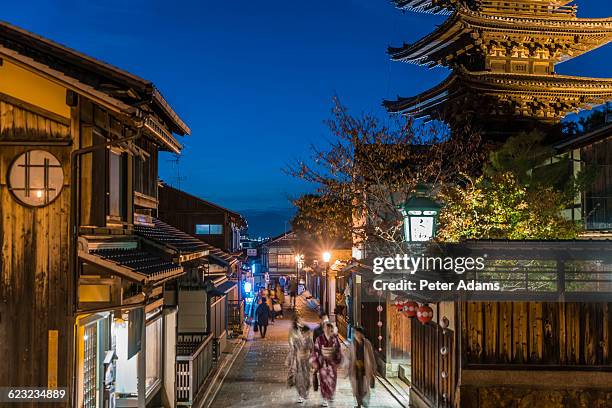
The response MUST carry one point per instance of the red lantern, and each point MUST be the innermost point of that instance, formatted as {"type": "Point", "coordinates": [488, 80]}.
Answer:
{"type": "Point", "coordinates": [411, 308]}
{"type": "Point", "coordinates": [425, 314]}
{"type": "Point", "coordinates": [399, 305]}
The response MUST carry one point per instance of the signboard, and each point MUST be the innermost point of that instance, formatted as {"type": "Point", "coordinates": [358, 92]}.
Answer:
{"type": "Point", "coordinates": [267, 277]}
{"type": "Point", "coordinates": [52, 359]}
{"type": "Point", "coordinates": [251, 251]}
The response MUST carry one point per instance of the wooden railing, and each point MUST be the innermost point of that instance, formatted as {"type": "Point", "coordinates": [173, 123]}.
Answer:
{"type": "Point", "coordinates": [235, 317]}
{"type": "Point", "coordinates": [194, 360]}
{"type": "Point", "coordinates": [218, 317]}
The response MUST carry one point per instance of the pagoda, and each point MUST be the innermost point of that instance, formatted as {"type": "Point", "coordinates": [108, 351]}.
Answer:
{"type": "Point", "coordinates": [503, 56]}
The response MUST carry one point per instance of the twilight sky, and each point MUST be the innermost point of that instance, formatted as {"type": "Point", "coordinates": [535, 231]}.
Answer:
{"type": "Point", "coordinates": [254, 79]}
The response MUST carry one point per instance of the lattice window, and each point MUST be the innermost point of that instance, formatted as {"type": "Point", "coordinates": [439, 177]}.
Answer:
{"type": "Point", "coordinates": [36, 178]}
{"type": "Point", "coordinates": [90, 367]}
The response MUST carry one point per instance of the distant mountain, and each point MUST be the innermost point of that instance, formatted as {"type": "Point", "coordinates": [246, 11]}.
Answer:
{"type": "Point", "coordinates": [268, 222]}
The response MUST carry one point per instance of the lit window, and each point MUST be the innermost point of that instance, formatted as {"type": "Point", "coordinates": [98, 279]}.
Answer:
{"type": "Point", "coordinates": [36, 178]}
{"type": "Point", "coordinates": [209, 229]}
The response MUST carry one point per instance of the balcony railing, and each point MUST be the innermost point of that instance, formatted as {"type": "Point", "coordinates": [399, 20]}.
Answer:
{"type": "Point", "coordinates": [194, 360]}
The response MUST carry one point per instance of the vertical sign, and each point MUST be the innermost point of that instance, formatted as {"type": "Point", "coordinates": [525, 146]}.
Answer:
{"type": "Point", "coordinates": [52, 359]}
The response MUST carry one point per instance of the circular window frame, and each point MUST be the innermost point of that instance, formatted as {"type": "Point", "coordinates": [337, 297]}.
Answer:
{"type": "Point", "coordinates": [10, 187]}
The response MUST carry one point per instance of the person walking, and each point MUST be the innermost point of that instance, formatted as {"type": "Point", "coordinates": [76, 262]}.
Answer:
{"type": "Point", "coordinates": [325, 358]}
{"type": "Point", "coordinates": [293, 288]}
{"type": "Point", "coordinates": [263, 315]}
{"type": "Point", "coordinates": [361, 367]}
{"type": "Point", "coordinates": [324, 319]}
{"type": "Point", "coordinates": [300, 348]}
{"type": "Point", "coordinates": [280, 296]}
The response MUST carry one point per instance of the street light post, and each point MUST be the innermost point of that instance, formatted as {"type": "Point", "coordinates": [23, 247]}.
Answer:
{"type": "Point", "coordinates": [326, 259]}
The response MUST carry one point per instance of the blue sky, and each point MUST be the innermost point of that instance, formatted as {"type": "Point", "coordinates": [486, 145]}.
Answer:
{"type": "Point", "coordinates": [254, 79]}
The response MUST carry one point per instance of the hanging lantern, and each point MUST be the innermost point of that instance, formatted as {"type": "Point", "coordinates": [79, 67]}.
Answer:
{"type": "Point", "coordinates": [420, 216]}
{"type": "Point", "coordinates": [411, 308]}
{"type": "Point", "coordinates": [425, 314]}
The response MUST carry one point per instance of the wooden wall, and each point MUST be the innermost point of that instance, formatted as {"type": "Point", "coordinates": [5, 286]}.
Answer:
{"type": "Point", "coordinates": [184, 211]}
{"type": "Point", "coordinates": [525, 333]}
{"type": "Point", "coordinates": [399, 334]}
{"type": "Point", "coordinates": [434, 373]}
{"type": "Point", "coordinates": [35, 282]}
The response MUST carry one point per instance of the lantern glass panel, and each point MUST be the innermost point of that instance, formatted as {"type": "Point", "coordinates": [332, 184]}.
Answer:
{"type": "Point", "coordinates": [421, 228]}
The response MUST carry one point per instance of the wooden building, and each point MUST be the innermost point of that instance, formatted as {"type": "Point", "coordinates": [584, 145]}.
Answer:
{"type": "Point", "coordinates": [278, 256]}
{"type": "Point", "coordinates": [81, 294]}
{"type": "Point", "coordinates": [204, 220]}
{"type": "Point", "coordinates": [594, 206]}
{"type": "Point", "coordinates": [503, 55]}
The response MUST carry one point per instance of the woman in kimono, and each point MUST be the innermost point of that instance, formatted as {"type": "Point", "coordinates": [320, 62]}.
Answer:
{"type": "Point", "coordinates": [361, 367]}
{"type": "Point", "coordinates": [300, 348]}
{"type": "Point", "coordinates": [325, 359]}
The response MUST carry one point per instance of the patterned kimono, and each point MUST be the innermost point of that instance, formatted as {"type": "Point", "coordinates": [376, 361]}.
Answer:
{"type": "Point", "coordinates": [325, 358]}
{"type": "Point", "coordinates": [300, 348]}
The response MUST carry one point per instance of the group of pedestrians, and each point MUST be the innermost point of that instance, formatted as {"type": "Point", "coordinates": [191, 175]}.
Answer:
{"type": "Point", "coordinates": [270, 304]}
{"type": "Point", "coordinates": [314, 359]}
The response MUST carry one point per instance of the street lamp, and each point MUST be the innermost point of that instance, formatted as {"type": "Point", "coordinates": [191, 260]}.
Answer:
{"type": "Point", "coordinates": [420, 217]}
{"type": "Point", "coordinates": [326, 259]}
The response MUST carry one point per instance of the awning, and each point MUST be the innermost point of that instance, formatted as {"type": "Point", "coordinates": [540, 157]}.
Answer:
{"type": "Point", "coordinates": [182, 245]}
{"type": "Point", "coordinates": [136, 264]}
{"type": "Point", "coordinates": [221, 257]}
{"type": "Point", "coordinates": [226, 286]}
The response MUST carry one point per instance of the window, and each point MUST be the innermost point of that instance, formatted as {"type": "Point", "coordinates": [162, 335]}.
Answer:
{"type": "Point", "coordinates": [154, 355]}
{"type": "Point", "coordinates": [36, 178]}
{"type": "Point", "coordinates": [117, 197]}
{"type": "Point", "coordinates": [90, 366]}
{"type": "Point", "coordinates": [209, 229]}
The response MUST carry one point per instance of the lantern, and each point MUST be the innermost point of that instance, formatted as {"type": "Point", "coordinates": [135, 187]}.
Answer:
{"type": "Point", "coordinates": [420, 217]}
{"type": "Point", "coordinates": [425, 314]}
{"type": "Point", "coordinates": [411, 308]}
{"type": "Point", "coordinates": [399, 305]}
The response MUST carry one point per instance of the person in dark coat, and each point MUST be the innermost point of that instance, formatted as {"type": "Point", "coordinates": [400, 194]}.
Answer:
{"type": "Point", "coordinates": [263, 315]}
{"type": "Point", "coordinates": [293, 291]}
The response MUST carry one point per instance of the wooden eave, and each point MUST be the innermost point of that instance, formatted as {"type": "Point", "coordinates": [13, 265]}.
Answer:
{"type": "Point", "coordinates": [112, 104]}
{"type": "Point", "coordinates": [116, 79]}
{"type": "Point", "coordinates": [588, 139]}
{"type": "Point", "coordinates": [462, 30]}
{"type": "Point", "coordinates": [424, 6]}
{"type": "Point", "coordinates": [589, 90]}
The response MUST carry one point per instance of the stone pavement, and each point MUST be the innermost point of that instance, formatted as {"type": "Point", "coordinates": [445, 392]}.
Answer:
{"type": "Point", "coordinates": [257, 378]}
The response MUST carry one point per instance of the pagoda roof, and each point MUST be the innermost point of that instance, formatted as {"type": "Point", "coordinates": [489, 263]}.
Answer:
{"type": "Point", "coordinates": [565, 94]}
{"type": "Point", "coordinates": [465, 30]}
{"type": "Point", "coordinates": [446, 7]}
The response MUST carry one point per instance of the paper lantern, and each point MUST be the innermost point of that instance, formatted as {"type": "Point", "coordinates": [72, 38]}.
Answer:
{"type": "Point", "coordinates": [411, 308]}
{"type": "Point", "coordinates": [425, 314]}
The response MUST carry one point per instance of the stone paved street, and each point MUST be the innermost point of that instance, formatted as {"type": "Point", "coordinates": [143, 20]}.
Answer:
{"type": "Point", "coordinates": [257, 378]}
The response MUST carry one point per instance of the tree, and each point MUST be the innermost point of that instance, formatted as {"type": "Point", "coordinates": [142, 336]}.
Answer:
{"type": "Point", "coordinates": [369, 169]}
{"type": "Point", "coordinates": [522, 193]}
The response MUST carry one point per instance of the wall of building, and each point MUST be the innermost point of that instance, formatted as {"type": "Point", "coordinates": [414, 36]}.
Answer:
{"type": "Point", "coordinates": [35, 296]}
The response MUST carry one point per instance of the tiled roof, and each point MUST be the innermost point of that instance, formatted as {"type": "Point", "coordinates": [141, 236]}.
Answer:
{"type": "Point", "coordinates": [172, 237]}
{"type": "Point", "coordinates": [140, 261]}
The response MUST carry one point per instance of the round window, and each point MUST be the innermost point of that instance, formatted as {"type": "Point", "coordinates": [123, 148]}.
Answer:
{"type": "Point", "coordinates": [36, 178]}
